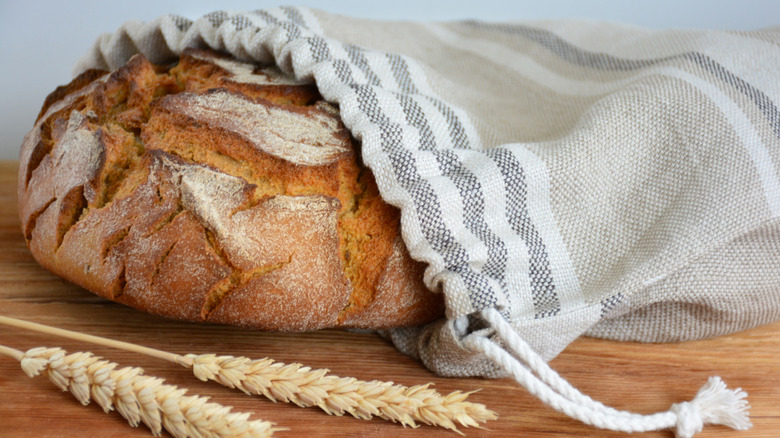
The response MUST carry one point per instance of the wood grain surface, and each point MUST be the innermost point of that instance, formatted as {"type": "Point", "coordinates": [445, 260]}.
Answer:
{"type": "Point", "coordinates": [638, 377]}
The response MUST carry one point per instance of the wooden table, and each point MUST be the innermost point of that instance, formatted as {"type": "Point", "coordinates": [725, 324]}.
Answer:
{"type": "Point", "coordinates": [638, 377]}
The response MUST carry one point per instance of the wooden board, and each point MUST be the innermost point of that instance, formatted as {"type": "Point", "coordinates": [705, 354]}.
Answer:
{"type": "Point", "coordinates": [638, 377]}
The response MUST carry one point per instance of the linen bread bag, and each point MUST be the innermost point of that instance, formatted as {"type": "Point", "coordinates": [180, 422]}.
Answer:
{"type": "Point", "coordinates": [557, 179]}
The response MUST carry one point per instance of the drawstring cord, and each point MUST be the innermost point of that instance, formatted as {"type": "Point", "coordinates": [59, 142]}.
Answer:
{"type": "Point", "coordinates": [713, 404]}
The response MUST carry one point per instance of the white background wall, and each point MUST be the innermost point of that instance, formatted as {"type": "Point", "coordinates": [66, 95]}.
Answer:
{"type": "Point", "coordinates": [41, 40]}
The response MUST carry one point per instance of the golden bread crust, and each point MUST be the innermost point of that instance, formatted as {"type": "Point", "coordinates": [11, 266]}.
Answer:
{"type": "Point", "coordinates": [215, 190]}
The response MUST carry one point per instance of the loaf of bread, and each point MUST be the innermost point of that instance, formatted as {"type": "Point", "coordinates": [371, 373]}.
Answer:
{"type": "Point", "coordinates": [215, 190]}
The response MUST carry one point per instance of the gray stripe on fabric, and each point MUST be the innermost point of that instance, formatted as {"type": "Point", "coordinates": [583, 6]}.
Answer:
{"type": "Point", "coordinates": [240, 22]}
{"type": "Point", "coordinates": [469, 189]}
{"type": "Point", "coordinates": [181, 23]}
{"type": "Point", "coordinates": [543, 289]}
{"type": "Point", "coordinates": [761, 100]}
{"type": "Point", "coordinates": [473, 199]}
{"type": "Point", "coordinates": [343, 70]}
{"type": "Point", "coordinates": [457, 133]}
{"type": "Point", "coordinates": [565, 50]}
{"type": "Point", "coordinates": [293, 31]}
{"type": "Point", "coordinates": [294, 15]}
{"type": "Point", "coordinates": [270, 19]}
{"type": "Point", "coordinates": [216, 18]}
{"type": "Point", "coordinates": [403, 78]}
{"type": "Point", "coordinates": [576, 55]}
{"type": "Point", "coordinates": [426, 203]}
{"type": "Point", "coordinates": [610, 303]}
{"type": "Point", "coordinates": [417, 118]}
{"type": "Point", "coordinates": [359, 60]}
{"type": "Point", "coordinates": [320, 50]}
{"type": "Point", "coordinates": [428, 209]}
{"type": "Point", "coordinates": [401, 73]}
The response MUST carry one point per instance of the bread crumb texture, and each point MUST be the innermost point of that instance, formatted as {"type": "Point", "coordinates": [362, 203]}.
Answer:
{"type": "Point", "coordinates": [215, 190]}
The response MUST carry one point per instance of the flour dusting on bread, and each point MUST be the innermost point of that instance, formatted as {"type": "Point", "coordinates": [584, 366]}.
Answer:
{"type": "Point", "coordinates": [215, 190]}
{"type": "Point", "coordinates": [305, 138]}
{"type": "Point", "coordinates": [77, 156]}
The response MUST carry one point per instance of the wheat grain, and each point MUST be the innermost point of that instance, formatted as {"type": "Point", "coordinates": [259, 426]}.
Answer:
{"type": "Point", "coordinates": [339, 395]}
{"type": "Point", "coordinates": [137, 397]}
{"type": "Point", "coordinates": [293, 383]}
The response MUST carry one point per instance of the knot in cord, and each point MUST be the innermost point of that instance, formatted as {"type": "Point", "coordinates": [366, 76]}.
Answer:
{"type": "Point", "coordinates": [689, 421]}
{"type": "Point", "coordinates": [714, 404]}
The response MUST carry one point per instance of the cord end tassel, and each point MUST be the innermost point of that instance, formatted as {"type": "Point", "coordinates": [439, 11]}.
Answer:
{"type": "Point", "coordinates": [713, 404]}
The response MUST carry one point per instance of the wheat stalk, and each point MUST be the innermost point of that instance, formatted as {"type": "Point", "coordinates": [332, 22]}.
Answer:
{"type": "Point", "coordinates": [339, 395]}
{"type": "Point", "coordinates": [306, 387]}
{"type": "Point", "coordinates": [137, 397]}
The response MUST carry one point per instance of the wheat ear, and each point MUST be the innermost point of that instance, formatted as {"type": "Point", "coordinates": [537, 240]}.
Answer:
{"type": "Point", "coordinates": [137, 397]}
{"type": "Point", "coordinates": [306, 387]}
{"type": "Point", "coordinates": [339, 395]}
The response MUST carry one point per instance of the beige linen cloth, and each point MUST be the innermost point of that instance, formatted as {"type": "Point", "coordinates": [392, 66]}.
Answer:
{"type": "Point", "coordinates": [559, 178]}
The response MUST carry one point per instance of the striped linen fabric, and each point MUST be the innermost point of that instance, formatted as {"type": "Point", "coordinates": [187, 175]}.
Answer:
{"type": "Point", "coordinates": [576, 177]}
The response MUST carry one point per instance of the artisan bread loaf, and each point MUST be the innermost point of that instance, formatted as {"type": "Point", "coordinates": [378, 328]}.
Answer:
{"type": "Point", "coordinates": [215, 190]}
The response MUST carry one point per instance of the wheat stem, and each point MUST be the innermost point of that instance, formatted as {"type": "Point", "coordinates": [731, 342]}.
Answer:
{"type": "Point", "coordinates": [11, 352]}
{"type": "Point", "coordinates": [97, 340]}
{"type": "Point", "coordinates": [137, 397]}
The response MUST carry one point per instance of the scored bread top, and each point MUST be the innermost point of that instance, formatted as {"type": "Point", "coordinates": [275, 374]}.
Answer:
{"type": "Point", "coordinates": [215, 190]}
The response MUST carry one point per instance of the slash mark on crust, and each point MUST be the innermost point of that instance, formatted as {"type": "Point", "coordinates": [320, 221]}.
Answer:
{"type": "Point", "coordinates": [238, 277]}
{"type": "Point", "coordinates": [120, 284]}
{"type": "Point", "coordinates": [114, 240]}
{"type": "Point", "coordinates": [158, 265]}
{"type": "Point", "coordinates": [33, 219]}
{"type": "Point", "coordinates": [71, 207]}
